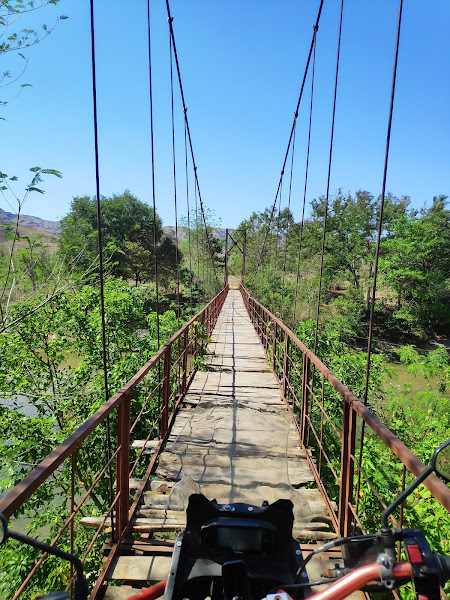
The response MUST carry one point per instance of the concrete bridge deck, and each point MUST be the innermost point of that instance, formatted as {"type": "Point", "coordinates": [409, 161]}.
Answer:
{"type": "Point", "coordinates": [235, 440]}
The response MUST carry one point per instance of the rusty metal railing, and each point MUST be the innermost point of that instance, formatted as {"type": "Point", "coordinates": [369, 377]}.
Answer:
{"type": "Point", "coordinates": [162, 381]}
{"type": "Point", "coordinates": [328, 417]}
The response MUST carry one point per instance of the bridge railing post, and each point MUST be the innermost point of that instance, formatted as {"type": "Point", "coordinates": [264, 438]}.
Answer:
{"type": "Point", "coordinates": [347, 469]}
{"type": "Point", "coordinates": [123, 464]}
{"type": "Point", "coordinates": [258, 322]}
{"type": "Point", "coordinates": [274, 346]}
{"type": "Point", "coordinates": [185, 359]}
{"type": "Point", "coordinates": [266, 332]}
{"type": "Point", "coordinates": [165, 393]}
{"type": "Point", "coordinates": [263, 327]}
{"type": "Point", "coordinates": [305, 400]}
{"type": "Point", "coordinates": [195, 339]}
{"type": "Point", "coordinates": [284, 385]}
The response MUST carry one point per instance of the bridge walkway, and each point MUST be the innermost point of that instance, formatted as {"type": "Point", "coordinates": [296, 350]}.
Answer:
{"type": "Point", "coordinates": [234, 440]}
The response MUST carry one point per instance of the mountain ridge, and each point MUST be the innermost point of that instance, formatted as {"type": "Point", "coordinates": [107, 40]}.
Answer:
{"type": "Point", "coordinates": [31, 225]}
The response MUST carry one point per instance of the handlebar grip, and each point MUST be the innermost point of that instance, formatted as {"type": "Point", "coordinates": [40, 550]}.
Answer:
{"type": "Point", "coordinates": [444, 567]}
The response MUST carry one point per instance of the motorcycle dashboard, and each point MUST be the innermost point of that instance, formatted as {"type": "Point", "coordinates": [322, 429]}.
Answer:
{"type": "Point", "coordinates": [238, 538]}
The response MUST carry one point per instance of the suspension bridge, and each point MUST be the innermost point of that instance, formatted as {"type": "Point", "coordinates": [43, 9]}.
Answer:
{"type": "Point", "coordinates": [252, 427]}
{"type": "Point", "coordinates": [244, 412]}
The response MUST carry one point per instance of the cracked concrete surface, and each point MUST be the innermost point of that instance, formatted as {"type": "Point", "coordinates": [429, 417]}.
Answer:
{"type": "Point", "coordinates": [239, 442]}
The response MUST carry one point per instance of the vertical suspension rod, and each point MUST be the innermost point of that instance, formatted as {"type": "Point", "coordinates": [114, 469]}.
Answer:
{"type": "Point", "coordinates": [377, 250]}
{"type": "Point", "coordinates": [328, 179]}
{"type": "Point", "coordinates": [170, 20]}
{"type": "Point", "coordinates": [300, 244]}
{"type": "Point", "coordinates": [316, 27]}
{"type": "Point", "coordinates": [152, 147]}
{"type": "Point", "coordinates": [383, 192]}
{"type": "Point", "coordinates": [100, 252]}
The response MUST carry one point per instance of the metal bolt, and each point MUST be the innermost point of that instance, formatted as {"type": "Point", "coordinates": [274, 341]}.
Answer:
{"type": "Point", "coordinates": [250, 509]}
{"type": "Point", "coordinates": [298, 552]}
{"type": "Point", "coordinates": [227, 507]}
{"type": "Point", "coordinates": [423, 569]}
{"type": "Point", "coordinates": [178, 544]}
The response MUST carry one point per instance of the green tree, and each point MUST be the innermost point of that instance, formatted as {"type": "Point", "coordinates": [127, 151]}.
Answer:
{"type": "Point", "coordinates": [127, 228]}
{"type": "Point", "coordinates": [201, 250]}
{"type": "Point", "coordinates": [415, 264]}
{"type": "Point", "coordinates": [8, 280]}
{"type": "Point", "coordinates": [51, 359]}
{"type": "Point", "coordinates": [14, 39]}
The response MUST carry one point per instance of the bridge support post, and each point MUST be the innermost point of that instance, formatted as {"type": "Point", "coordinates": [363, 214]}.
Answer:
{"type": "Point", "coordinates": [266, 333]}
{"type": "Point", "coordinates": [123, 464]}
{"type": "Point", "coordinates": [305, 400]}
{"type": "Point", "coordinates": [185, 359]}
{"type": "Point", "coordinates": [347, 469]}
{"type": "Point", "coordinates": [195, 339]}
{"type": "Point", "coordinates": [274, 347]}
{"type": "Point", "coordinates": [226, 258]}
{"type": "Point", "coordinates": [285, 386]}
{"type": "Point", "coordinates": [166, 393]}
{"type": "Point", "coordinates": [244, 244]}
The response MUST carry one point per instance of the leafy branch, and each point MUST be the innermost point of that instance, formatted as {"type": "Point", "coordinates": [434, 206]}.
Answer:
{"type": "Point", "coordinates": [5, 189]}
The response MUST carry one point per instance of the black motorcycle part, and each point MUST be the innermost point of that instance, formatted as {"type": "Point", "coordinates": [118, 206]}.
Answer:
{"type": "Point", "coordinates": [223, 542]}
{"type": "Point", "coordinates": [425, 564]}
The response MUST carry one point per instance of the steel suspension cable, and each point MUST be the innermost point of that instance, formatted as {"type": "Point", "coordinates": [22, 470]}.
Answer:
{"type": "Point", "coordinates": [377, 249]}
{"type": "Point", "coordinates": [328, 180]}
{"type": "Point", "coordinates": [197, 239]}
{"type": "Point", "coordinates": [383, 193]}
{"type": "Point", "coordinates": [100, 255]}
{"type": "Point", "coordinates": [152, 148]}
{"type": "Point", "coordinates": [170, 21]}
{"type": "Point", "coordinates": [174, 183]}
{"type": "Point", "coordinates": [306, 184]}
{"type": "Point", "coordinates": [316, 27]}
{"type": "Point", "coordinates": [203, 262]}
{"type": "Point", "coordinates": [188, 219]}
{"type": "Point", "coordinates": [277, 243]}
{"type": "Point", "coordinates": [288, 220]}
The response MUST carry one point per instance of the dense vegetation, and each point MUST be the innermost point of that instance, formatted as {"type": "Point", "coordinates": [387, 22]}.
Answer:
{"type": "Point", "coordinates": [413, 285]}
{"type": "Point", "coordinates": [411, 312]}
{"type": "Point", "coordinates": [51, 374]}
{"type": "Point", "coordinates": [51, 354]}
{"type": "Point", "coordinates": [50, 327]}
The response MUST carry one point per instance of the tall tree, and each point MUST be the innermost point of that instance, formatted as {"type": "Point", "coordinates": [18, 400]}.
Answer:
{"type": "Point", "coordinates": [127, 231]}
{"type": "Point", "coordinates": [16, 39]}
{"type": "Point", "coordinates": [416, 265]}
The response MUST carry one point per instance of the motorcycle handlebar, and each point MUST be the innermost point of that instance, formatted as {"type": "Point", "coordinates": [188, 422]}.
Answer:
{"type": "Point", "coordinates": [444, 567]}
{"type": "Point", "coordinates": [358, 579]}
{"type": "Point", "coordinates": [340, 589]}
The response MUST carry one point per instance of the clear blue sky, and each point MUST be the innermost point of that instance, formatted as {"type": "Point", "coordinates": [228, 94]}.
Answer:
{"type": "Point", "coordinates": [242, 64]}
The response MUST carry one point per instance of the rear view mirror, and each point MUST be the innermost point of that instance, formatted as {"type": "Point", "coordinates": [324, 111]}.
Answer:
{"type": "Point", "coordinates": [3, 529]}
{"type": "Point", "coordinates": [442, 460]}
{"type": "Point", "coordinates": [440, 464]}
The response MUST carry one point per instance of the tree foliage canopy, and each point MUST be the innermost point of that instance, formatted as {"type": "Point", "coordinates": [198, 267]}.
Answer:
{"type": "Point", "coordinates": [127, 231]}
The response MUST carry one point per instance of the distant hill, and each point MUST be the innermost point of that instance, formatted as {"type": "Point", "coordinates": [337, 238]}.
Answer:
{"type": "Point", "coordinates": [50, 230]}
{"type": "Point", "coordinates": [29, 225]}
{"type": "Point", "coordinates": [52, 227]}
{"type": "Point", "coordinates": [169, 230]}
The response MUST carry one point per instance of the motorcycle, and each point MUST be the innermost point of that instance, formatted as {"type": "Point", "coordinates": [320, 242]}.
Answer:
{"type": "Point", "coordinates": [245, 552]}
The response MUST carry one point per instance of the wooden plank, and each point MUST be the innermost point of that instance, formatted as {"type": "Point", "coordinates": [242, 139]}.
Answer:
{"type": "Point", "coordinates": [235, 438]}
{"type": "Point", "coordinates": [121, 593]}
{"type": "Point", "coordinates": [139, 568]}
{"type": "Point", "coordinates": [137, 525]}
